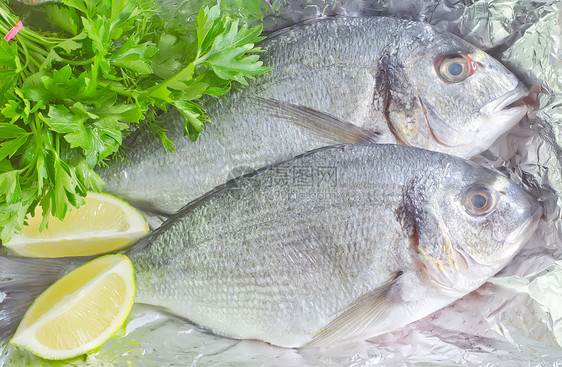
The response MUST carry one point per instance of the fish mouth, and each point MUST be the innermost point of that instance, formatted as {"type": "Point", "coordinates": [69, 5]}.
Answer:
{"type": "Point", "coordinates": [522, 234]}
{"type": "Point", "coordinates": [494, 119]}
{"type": "Point", "coordinates": [472, 272]}
{"type": "Point", "coordinates": [512, 101]}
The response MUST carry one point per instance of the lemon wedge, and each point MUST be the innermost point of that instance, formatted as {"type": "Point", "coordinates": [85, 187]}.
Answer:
{"type": "Point", "coordinates": [104, 224]}
{"type": "Point", "coordinates": [80, 311]}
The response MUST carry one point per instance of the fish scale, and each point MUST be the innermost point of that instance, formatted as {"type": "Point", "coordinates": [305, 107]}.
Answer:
{"type": "Point", "coordinates": [347, 80]}
{"type": "Point", "coordinates": [375, 237]}
{"type": "Point", "coordinates": [288, 259]}
{"type": "Point", "coordinates": [270, 242]}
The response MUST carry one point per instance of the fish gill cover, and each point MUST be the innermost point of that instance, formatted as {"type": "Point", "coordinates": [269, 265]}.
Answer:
{"type": "Point", "coordinates": [514, 318]}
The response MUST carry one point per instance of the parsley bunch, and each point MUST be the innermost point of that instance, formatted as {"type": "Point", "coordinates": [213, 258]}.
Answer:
{"type": "Point", "coordinates": [67, 98]}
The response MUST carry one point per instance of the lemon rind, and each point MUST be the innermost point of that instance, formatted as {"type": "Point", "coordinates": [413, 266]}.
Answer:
{"type": "Point", "coordinates": [23, 338]}
{"type": "Point", "coordinates": [138, 228]}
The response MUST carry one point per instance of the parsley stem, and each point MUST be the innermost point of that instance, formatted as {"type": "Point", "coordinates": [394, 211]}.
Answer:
{"type": "Point", "coordinates": [4, 12]}
{"type": "Point", "coordinates": [36, 59]}
{"type": "Point", "coordinates": [32, 36]}
{"type": "Point", "coordinates": [25, 32]}
{"type": "Point", "coordinates": [26, 53]}
{"type": "Point", "coordinates": [37, 49]}
{"type": "Point", "coordinates": [35, 127]}
{"type": "Point", "coordinates": [78, 62]}
{"type": "Point", "coordinates": [119, 91]}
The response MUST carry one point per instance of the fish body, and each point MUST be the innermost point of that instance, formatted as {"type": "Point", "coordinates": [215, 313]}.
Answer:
{"type": "Point", "coordinates": [334, 246]}
{"type": "Point", "coordinates": [337, 245]}
{"type": "Point", "coordinates": [338, 80]}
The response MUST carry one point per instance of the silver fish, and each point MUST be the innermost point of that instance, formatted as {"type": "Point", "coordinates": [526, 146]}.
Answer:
{"type": "Point", "coordinates": [334, 246]}
{"type": "Point", "coordinates": [342, 80]}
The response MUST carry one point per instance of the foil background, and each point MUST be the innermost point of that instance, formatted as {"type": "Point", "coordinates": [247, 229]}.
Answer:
{"type": "Point", "coordinates": [515, 319]}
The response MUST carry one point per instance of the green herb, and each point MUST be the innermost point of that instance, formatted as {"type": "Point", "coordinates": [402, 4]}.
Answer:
{"type": "Point", "coordinates": [67, 98]}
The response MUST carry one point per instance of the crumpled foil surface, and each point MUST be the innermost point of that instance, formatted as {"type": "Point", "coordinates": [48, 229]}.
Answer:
{"type": "Point", "coordinates": [513, 320]}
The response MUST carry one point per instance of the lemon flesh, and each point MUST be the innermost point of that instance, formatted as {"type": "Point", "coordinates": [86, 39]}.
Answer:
{"type": "Point", "coordinates": [80, 311]}
{"type": "Point", "coordinates": [104, 224]}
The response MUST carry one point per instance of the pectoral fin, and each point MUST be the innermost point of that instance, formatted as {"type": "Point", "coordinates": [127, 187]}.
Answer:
{"type": "Point", "coordinates": [321, 124]}
{"type": "Point", "coordinates": [361, 318]}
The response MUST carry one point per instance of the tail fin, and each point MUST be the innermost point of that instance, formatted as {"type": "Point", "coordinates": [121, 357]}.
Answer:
{"type": "Point", "coordinates": [21, 281]}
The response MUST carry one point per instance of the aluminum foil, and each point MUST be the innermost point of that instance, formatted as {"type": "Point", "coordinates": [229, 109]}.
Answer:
{"type": "Point", "coordinates": [515, 319]}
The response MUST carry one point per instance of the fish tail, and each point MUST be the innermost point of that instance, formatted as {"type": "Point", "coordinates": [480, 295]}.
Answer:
{"type": "Point", "coordinates": [21, 281]}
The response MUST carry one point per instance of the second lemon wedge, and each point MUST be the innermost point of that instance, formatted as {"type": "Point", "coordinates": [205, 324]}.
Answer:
{"type": "Point", "coordinates": [80, 311]}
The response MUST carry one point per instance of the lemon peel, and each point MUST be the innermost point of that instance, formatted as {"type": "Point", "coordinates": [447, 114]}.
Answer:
{"type": "Point", "coordinates": [80, 311]}
{"type": "Point", "coordinates": [104, 224]}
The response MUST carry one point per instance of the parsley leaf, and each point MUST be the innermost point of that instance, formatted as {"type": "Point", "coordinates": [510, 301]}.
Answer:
{"type": "Point", "coordinates": [68, 98]}
{"type": "Point", "coordinates": [9, 67]}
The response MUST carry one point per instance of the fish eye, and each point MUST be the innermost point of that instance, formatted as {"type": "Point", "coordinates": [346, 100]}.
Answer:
{"type": "Point", "coordinates": [454, 69]}
{"type": "Point", "coordinates": [479, 200]}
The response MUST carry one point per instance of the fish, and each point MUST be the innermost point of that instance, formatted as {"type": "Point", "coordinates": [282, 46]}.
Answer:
{"type": "Point", "coordinates": [335, 246]}
{"type": "Point", "coordinates": [334, 81]}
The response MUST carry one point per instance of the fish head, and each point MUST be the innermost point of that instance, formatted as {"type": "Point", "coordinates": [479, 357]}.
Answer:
{"type": "Point", "coordinates": [444, 94]}
{"type": "Point", "coordinates": [471, 225]}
